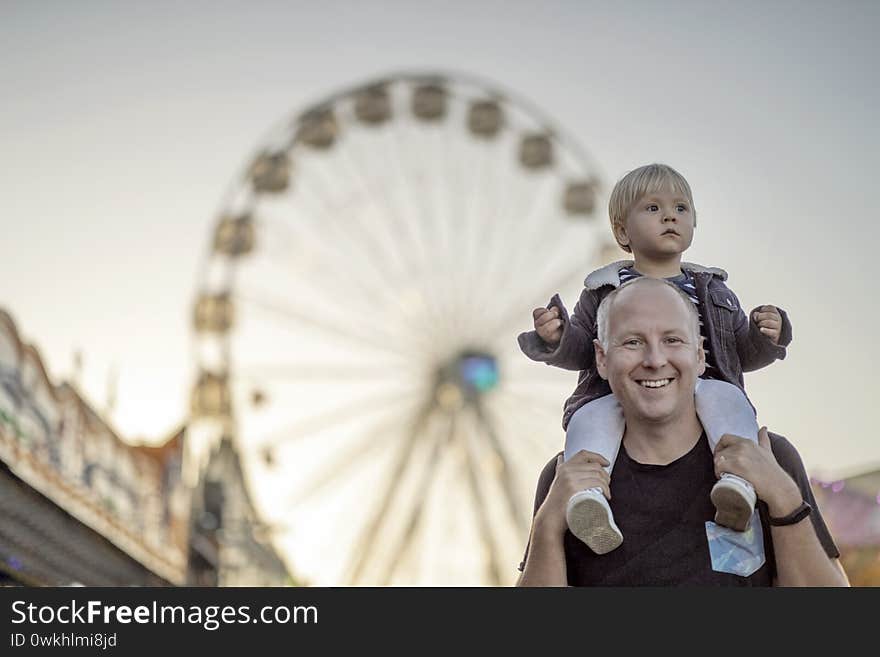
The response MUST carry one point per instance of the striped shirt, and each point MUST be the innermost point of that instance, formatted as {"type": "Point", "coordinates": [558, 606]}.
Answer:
{"type": "Point", "coordinates": [685, 282]}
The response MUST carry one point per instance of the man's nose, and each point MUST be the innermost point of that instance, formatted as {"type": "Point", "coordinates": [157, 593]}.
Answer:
{"type": "Point", "coordinates": [654, 356]}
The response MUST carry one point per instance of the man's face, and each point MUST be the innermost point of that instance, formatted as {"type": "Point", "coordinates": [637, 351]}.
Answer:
{"type": "Point", "coordinates": [653, 357]}
{"type": "Point", "coordinates": [659, 224]}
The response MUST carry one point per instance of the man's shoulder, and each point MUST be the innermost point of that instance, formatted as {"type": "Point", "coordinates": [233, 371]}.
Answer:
{"type": "Point", "coordinates": [786, 453]}
{"type": "Point", "coordinates": [549, 470]}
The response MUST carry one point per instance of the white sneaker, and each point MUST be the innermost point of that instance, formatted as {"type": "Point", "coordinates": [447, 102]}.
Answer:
{"type": "Point", "coordinates": [589, 518]}
{"type": "Point", "coordinates": [734, 499]}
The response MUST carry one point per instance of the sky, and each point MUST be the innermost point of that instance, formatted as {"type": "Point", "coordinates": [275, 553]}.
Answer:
{"type": "Point", "coordinates": [123, 125]}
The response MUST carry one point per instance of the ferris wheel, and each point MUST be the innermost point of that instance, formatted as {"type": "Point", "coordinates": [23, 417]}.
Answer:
{"type": "Point", "coordinates": [356, 319]}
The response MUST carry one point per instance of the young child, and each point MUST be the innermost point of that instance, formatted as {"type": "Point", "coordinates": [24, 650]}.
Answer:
{"type": "Point", "coordinates": [652, 216]}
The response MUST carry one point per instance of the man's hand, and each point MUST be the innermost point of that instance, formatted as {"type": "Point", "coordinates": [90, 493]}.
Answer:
{"type": "Point", "coordinates": [757, 464]}
{"type": "Point", "coordinates": [583, 470]}
{"type": "Point", "coordinates": [548, 325]}
{"type": "Point", "coordinates": [769, 321]}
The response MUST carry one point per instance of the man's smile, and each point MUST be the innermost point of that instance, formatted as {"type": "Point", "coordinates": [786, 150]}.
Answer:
{"type": "Point", "coordinates": [654, 383]}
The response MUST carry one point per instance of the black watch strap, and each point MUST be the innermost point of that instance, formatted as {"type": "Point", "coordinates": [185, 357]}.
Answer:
{"type": "Point", "coordinates": [794, 517]}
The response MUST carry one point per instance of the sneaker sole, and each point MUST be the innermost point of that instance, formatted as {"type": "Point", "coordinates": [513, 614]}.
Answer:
{"type": "Point", "coordinates": [732, 509]}
{"type": "Point", "coordinates": [589, 521]}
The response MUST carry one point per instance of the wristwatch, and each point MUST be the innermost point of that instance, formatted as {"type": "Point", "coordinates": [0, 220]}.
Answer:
{"type": "Point", "coordinates": [794, 517]}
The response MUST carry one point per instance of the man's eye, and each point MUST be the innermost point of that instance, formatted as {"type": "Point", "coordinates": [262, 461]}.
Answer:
{"type": "Point", "coordinates": [673, 340]}
{"type": "Point", "coordinates": [631, 343]}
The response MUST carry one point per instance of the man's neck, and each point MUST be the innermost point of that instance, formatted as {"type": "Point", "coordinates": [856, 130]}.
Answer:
{"type": "Point", "coordinates": [657, 267]}
{"type": "Point", "coordinates": [662, 444]}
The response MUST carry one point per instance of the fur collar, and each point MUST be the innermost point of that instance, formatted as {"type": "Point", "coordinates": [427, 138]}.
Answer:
{"type": "Point", "coordinates": [607, 275]}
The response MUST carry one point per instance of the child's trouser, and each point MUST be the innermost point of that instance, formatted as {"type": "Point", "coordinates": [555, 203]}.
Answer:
{"type": "Point", "coordinates": [722, 407]}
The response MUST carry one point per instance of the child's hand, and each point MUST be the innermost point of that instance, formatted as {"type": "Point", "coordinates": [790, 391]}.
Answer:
{"type": "Point", "coordinates": [769, 321]}
{"type": "Point", "coordinates": [548, 325]}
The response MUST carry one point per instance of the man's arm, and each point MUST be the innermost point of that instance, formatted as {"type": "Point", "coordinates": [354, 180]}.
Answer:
{"type": "Point", "coordinates": [801, 559]}
{"type": "Point", "coordinates": [545, 563]}
{"type": "Point", "coordinates": [545, 559]}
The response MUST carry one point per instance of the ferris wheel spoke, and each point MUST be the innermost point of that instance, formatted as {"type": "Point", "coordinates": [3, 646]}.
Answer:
{"type": "Point", "coordinates": [504, 264]}
{"type": "Point", "coordinates": [333, 287]}
{"type": "Point", "coordinates": [337, 415]}
{"type": "Point", "coordinates": [481, 514]}
{"type": "Point", "coordinates": [321, 372]}
{"type": "Point", "coordinates": [529, 399]}
{"type": "Point", "coordinates": [405, 541]}
{"type": "Point", "coordinates": [429, 328]}
{"type": "Point", "coordinates": [397, 234]}
{"type": "Point", "coordinates": [374, 440]}
{"type": "Point", "coordinates": [510, 320]}
{"type": "Point", "coordinates": [299, 318]}
{"type": "Point", "coordinates": [511, 407]}
{"type": "Point", "coordinates": [365, 236]}
{"type": "Point", "coordinates": [549, 252]}
{"type": "Point", "coordinates": [373, 258]}
{"type": "Point", "coordinates": [366, 543]}
{"type": "Point", "coordinates": [362, 289]}
{"type": "Point", "coordinates": [460, 293]}
{"type": "Point", "coordinates": [329, 283]}
{"type": "Point", "coordinates": [362, 250]}
{"type": "Point", "coordinates": [392, 159]}
{"type": "Point", "coordinates": [511, 494]}
{"type": "Point", "coordinates": [424, 219]}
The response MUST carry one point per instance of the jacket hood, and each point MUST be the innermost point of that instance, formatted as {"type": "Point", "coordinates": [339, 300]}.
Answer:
{"type": "Point", "coordinates": [608, 275]}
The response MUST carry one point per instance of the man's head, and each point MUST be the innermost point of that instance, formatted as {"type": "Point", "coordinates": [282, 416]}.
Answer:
{"type": "Point", "coordinates": [648, 206]}
{"type": "Point", "coordinates": [649, 349]}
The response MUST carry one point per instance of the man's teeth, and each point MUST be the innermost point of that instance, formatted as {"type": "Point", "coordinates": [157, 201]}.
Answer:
{"type": "Point", "coordinates": [658, 383]}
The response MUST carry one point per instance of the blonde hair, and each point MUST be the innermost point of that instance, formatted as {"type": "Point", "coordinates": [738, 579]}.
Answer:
{"type": "Point", "coordinates": [639, 182]}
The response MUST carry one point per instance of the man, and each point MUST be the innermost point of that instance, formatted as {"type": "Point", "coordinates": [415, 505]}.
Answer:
{"type": "Point", "coordinates": [649, 350]}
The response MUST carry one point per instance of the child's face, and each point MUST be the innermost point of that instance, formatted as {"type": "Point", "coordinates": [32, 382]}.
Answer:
{"type": "Point", "coordinates": [659, 225]}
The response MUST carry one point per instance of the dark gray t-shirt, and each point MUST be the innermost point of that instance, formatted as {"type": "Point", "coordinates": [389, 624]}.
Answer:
{"type": "Point", "coordinates": [662, 511]}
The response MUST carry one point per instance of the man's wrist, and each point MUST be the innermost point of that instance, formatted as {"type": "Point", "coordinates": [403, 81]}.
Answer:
{"type": "Point", "coordinates": [785, 501]}
{"type": "Point", "coordinates": [547, 526]}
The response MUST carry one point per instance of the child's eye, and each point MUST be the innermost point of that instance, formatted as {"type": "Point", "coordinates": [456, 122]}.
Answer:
{"type": "Point", "coordinates": [682, 207]}
{"type": "Point", "coordinates": [652, 207]}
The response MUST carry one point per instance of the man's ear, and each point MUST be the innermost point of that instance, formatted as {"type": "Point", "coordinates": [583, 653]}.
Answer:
{"type": "Point", "coordinates": [701, 357]}
{"type": "Point", "coordinates": [601, 366]}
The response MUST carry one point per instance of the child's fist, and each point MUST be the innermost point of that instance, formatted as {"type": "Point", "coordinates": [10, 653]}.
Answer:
{"type": "Point", "coordinates": [769, 321]}
{"type": "Point", "coordinates": [548, 325]}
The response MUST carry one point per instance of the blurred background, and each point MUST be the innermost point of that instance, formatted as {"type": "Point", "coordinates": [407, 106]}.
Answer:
{"type": "Point", "coordinates": [264, 265]}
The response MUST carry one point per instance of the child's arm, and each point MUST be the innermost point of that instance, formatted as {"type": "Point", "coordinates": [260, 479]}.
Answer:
{"type": "Point", "coordinates": [575, 348]}
{"type": "Point", "coordinates": [762, 336]}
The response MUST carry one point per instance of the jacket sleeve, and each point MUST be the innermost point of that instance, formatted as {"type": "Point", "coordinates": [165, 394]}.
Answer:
{"type": "Point", "coordinates": [575, 350]}
{"type": "Point", "coordinates": [755, 349]}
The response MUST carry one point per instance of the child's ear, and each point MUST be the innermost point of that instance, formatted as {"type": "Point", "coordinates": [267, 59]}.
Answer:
{"type": "Point", "coordinates": [601, 366]}
{"type": "Point", "coordinates": [620, 235]}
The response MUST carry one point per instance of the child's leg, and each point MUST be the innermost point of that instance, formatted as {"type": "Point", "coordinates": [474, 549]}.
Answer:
{"type": "Point", "coordinates": [723, 408]}
{"type": "Point", "coordinates": [596, 427]}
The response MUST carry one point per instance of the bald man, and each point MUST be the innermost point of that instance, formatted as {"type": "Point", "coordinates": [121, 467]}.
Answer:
{"type": "Point", "coordinates": [651, 356]}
